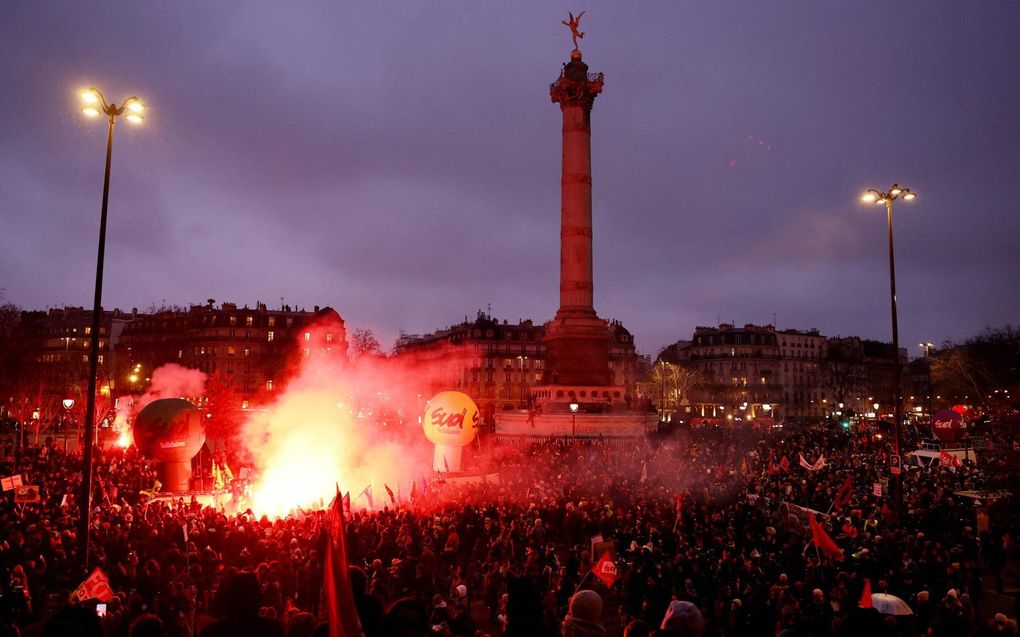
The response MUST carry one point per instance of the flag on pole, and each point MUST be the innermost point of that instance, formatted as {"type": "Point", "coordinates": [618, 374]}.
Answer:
{"type": "Point", "coordinates": [605, 569]}
{"type": "Point", "coordinates": [812, 466]}
{"type": "Point", "coordinates": [644, 472]}
{"type": "Point", "coordinates": [947, 459]}
{"type": "Point", "coordinates": [822, 540]}
{"type": "Point", "coordinates": [866, 595]}
{"type": "Point", "coordinates": [784, 464]}
{"type": "Point", "coordinates": [95, 586]}
{"type": "Point", "coordinates": [843, 495]}
{"type": "Point", "coordinates": [368, 496]}
{"type": "Point", "coordinates": [446, 465]}
{"type": "Point", "coordinates": [390, 492]}
{"type": "Point", "coordinates": [347, 502]}
{"type": "Point", "coordinates": [414, 491]}
{"type": "Point", "coordinates": [341, 612]}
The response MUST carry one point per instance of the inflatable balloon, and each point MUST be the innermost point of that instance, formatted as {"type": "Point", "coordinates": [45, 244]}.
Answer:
{"type": "Point", "coordinates": [171, 432]}
{"type": "Point", "coordinates": [451, 422]}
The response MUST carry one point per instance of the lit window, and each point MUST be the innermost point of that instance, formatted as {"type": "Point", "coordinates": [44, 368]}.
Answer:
{"type": "Point", "coordinates": [230, 350]}
{"type": "Point", "coordinates": [247, 351]}
{"type": "Point", "coordinates": [307, 352]}
{"type": "Point", "coordinates": [329, 337]}
{"type": "Point", "coordinates": [269, 385]}
{"type": "Point", "coordinates": [88, 330]}
{"type": "Point", "coordinates": [248, 321]}
{"type": "Point", "coordinates": [233, 320]}
{"type": "Point", "coordinates": [269, 337]}
{"type": "Point", "coordinates": [308, 336]}
{"type": "Point", "coordinates": [272, 321]}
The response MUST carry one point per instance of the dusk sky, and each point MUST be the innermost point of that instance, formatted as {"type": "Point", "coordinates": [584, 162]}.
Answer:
{"type": "Point", "coordinates": [400, 161]}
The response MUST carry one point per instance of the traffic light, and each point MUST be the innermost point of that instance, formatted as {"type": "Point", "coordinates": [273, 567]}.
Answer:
{"type": "Point", "coordinates": [845, 424]}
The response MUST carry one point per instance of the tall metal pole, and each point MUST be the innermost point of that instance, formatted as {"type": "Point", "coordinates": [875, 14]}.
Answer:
{"type": "Point", "coordinates": [896, 358]}
{"type": "Point", "coordinates": [927, 363]}
{"type": "Point", "coordinates": [85, 498]}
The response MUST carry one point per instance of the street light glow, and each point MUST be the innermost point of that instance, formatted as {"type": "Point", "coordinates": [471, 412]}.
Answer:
{"type": "Point", "coordinates": [909, 195]}
{"type": "Point", "coordinates": [134, 118]}
{"type": "Point", "coordinates": [89, 96]}
{"type": "Point", "coordinates": [868, 197]}
{"type": "Point", "coordinates": [91, 111]}
{"type": "Point", "coordinates": [136, 106]}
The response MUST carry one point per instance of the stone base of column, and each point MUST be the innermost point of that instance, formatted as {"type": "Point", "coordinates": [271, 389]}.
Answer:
{"type": "Point", "coordinates": [577, 350]}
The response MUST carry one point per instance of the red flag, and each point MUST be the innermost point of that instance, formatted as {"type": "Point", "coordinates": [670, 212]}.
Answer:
{"type": "Point", "coordinates": [784, 464]}
{"type": "Point", "coordinates": [866, 595]}
{"type": "Point", "coordinates": [390, 492]}
{"type": "Point", "coordinates": [644, 472]}
{"type": "Point", "coordinates": [605, 570]}
{"type": "Point", "coordinates": [822, 540]}
{"type": "Point", "coordinates": [347, 502]}
{"type": "Point", "coordinates": [844, 495]}
{"type": "Point", "coordinates": [947, 459]}
{"type": "Point", "coordinates": [339, 596]}
{"type": "Point", "coordinates": [95, 586]}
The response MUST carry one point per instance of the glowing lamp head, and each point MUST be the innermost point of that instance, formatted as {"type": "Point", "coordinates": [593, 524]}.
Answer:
{"type": "Point", "coordinates": [909, 195]}
{"type": "Point", "coordinates": [134, 118]}
{"type": "Point", "coordinates": [91, 111]}
{"type": "Point", "coordinates": [869, 196]}
{"type": "Point", "coordinates": [574, 407]}
{"type": "Point", "coordinates": [895, 191]}
{"type": "Point", "coordinates": [135, 106]}
{"type": "Point", "coordinates": [451, 418]}
{"type": "Point", "coordinates": [90, 96]}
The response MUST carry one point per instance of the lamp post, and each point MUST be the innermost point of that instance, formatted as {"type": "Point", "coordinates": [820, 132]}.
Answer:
{"type": "Point", "coordinates": [887, 198]}
{"type": "Point", "coordinates": [927, 345]}
{"type": "Point", "coordinates": [573, 420]}
{"type": "Point", "coordinates": [525, 392]}
{"type": "Point", "coordinates": [131, 109]}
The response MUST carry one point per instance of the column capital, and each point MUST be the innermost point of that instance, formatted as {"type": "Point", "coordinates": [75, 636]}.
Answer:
{"type": "Point", "coordinates": [576, 86]}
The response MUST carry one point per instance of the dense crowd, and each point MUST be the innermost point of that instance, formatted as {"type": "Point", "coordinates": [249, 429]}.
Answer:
{"type": "Point", "coordinates": [707, 530]}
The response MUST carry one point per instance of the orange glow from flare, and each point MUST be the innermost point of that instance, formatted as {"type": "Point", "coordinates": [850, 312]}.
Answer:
{"type": "Point", "coordinates": [124, 439]}
{"type": "Point", "coordinates": [312, 439]}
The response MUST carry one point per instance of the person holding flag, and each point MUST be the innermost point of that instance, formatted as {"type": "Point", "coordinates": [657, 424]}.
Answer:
{"type": "Point", "coordinates": [338, 592]}
{"type": "Point", "coordinates": [822, 541]}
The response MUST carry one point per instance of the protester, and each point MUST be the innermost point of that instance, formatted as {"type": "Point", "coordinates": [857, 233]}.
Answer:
{"type": "Point", "coordinates": [714, 532]}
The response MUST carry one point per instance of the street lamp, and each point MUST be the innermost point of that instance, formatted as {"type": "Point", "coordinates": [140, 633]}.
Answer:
{"type": "Point", "coordinates": [573, 419]}
{"type": "Point", "coordinates": [132, 108]}
{"type": "Point", "coordinates": [927, 345]}
{"type": "Point", "coordinates": [887, 198]}
{"type": "Point", "coordinates": [525, 392]}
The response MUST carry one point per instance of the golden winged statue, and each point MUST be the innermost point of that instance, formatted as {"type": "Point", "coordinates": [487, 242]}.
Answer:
{"type": "Point", "coordinates": [573, 23]}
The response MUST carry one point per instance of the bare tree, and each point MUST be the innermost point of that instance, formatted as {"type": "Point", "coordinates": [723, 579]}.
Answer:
{"type": "Point", "coordinates": [956, 372]}
{"type": "Point", "coordinates": [364, 343]}
{"type": "Point", "coordinates": [845, 370]}
{"type": "Point", "coordinates": [669, 385]}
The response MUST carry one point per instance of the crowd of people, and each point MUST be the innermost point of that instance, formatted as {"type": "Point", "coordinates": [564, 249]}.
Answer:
{"type": "Point", "coordinates": [707, 531]}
